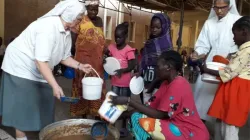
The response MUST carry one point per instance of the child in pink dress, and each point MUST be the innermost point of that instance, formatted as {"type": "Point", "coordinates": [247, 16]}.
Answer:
{"type": "Point", "coordinates": [126, 56]}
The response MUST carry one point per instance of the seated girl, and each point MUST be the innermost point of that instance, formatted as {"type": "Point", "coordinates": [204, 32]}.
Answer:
{"type": "Point", "coordinates": [171, 113]}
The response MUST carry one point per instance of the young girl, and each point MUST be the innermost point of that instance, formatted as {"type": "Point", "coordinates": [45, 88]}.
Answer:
{"type": "Point", "coordinates": [126, 56]}
{"type": "Point", "coordinates": [232, 101]}
{"type": "Point", "coordinates": [158, 42]}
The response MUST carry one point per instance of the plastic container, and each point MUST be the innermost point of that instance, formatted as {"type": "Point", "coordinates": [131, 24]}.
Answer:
{"type": "Point", "coordinates": [92, 87]}
{"type": "Point", "coordinates": [99, 129]}
{"type": "Point", "coordinates": [109, 112]}
{"type": "Point", "coordinates": [210, 78]}
{"type": "Point", "coordinates": [69, 73]}
{"type": "Point", "coordinates": [136, 85]}
{"type": "Point", "coordinates": [111, 65]}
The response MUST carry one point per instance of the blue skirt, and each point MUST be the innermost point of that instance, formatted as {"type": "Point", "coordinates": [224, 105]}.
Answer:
{"type": "Point", "coordinates": [24, 104]}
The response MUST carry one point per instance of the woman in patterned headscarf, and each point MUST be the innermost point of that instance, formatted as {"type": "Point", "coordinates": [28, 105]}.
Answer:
{"type": "Point", "coordinates": [88, 48]}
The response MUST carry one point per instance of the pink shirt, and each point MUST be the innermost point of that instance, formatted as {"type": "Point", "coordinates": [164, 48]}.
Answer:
{"type": "Point", "coordinates": [177, 99]}
{"type": "Point", "coordinates": [123, 56]}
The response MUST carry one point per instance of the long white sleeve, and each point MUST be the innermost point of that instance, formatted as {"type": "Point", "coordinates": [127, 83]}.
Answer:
{"type": "Point", "coordinates": [202, 45]}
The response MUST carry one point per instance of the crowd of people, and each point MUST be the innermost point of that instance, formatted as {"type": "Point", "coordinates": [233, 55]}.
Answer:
{"type": "Point", "coordinates": [174, 111]}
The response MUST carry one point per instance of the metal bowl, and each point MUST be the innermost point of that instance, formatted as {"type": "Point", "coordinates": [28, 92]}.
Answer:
{"type": "Point", "coordinates": [73, 127]}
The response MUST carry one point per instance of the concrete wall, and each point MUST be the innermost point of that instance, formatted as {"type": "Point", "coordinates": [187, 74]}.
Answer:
{"type": "Point", "coordinates": [193, 23]}
{"type": "Point", "coordinates": [20, 13]}
{"type": "Point", "coordinates": [2, 18]}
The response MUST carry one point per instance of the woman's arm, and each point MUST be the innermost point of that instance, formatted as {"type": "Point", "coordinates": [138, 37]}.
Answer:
{"type": "Point", "coordinates": [46, 72]}
{"type": "Point", "coordinates": [150, 112]}
{"type": "Point", "coordinates": [70, 62]}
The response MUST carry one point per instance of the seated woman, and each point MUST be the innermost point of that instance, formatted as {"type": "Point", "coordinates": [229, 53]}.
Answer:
{"type": "Point", "coordinates": [171, 113]}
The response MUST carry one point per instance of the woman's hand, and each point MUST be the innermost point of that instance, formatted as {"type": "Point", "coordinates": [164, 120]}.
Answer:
{"type": "Point", "coordinates": [119, 100]}
{"type": "Point", "coordinates": [58, 92]}
{"type": "Point", "coordinates": [104, 59]}
{"type": "Point", "coordinates": [86, 68]}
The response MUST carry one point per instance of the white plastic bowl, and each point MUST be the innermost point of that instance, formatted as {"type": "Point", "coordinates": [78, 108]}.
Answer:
{"type": "Point", "coordinates": [136, 85]}
{"type": "Point", "coordinates": [210, 78]}
{"type": "Point", "coordinates": [111, 65]}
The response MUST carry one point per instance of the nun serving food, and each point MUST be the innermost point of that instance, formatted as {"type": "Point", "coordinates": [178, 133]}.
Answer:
{"type": "Point", "coordinates": [28, 85]}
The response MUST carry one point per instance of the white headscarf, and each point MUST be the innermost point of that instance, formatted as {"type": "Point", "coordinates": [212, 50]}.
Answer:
{"type": "Point", "coordinates": [92, 2]}
{"type": "Point", "coordinates": [67, 9]}
{"type": "Point", "coordinates": [233, 9]}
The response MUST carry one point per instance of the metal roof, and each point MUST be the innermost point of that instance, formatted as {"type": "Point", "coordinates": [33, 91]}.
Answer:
{"type": "Point", "coordinates": [175, 5]}
{"type": "Point", "coordinates": [171, 5]}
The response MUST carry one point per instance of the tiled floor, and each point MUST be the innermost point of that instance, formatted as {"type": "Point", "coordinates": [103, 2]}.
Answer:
{"type": "Point", "coordinates": [62, 113]}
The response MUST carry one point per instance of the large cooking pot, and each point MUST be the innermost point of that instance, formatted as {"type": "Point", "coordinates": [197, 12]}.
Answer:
{"type": "Point", "coordinates": [73, 127]}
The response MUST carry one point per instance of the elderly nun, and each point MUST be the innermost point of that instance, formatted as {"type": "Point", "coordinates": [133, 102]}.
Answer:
{"type": "Point", "coordinates": [216, 38]}
{"type": "Point", "coordinates": [28, 85]}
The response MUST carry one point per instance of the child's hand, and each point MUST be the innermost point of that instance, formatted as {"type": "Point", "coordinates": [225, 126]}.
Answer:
{"type": "Point", "coordinates": [119, 72]}
{"type": "Point", "coordinates": [203, 68]}
{"type": "Point", "coordinates": [106, 50]}
{"type": "Point", "coordinates": [104, 59]}
{"type": "Point", "coordinates": [137, 74]}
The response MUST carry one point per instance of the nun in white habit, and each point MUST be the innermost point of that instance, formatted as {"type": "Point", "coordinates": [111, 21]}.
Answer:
{"type": "Point", "coordinates": [216, 38]}
{"type": "Point", "coordinates": [28, 86]}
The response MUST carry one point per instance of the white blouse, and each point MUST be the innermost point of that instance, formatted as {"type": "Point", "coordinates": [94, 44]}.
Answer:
{"type": "Point", "coordinates": [44, 40]}
{"type": "Point", "coordinates": [216, 37]}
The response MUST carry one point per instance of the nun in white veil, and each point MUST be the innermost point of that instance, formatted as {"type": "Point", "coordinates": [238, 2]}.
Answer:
{"type": "Point", "coordinates": [28, 86]}
{"type": "Point", "coordinates": [216, 38]}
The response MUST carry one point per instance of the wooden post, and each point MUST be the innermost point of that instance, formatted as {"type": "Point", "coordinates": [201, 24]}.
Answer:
{"type": "Point", "coordinates": [196, 30]}
{"type": "Point", "coordinates": [2, 19]}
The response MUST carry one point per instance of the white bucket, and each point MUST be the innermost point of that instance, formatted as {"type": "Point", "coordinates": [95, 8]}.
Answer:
{"type": "Point", "coordinates": [109, 112]}
{"type": "Point", "coordinates": [92, 87]}
{"type": "Point", "coordinates": [210, 78]}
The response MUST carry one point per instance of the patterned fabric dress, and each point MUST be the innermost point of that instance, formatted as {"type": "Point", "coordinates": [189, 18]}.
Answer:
{"type": "Point", "coordinates": [184, 124]}
{"type": "Point", "coordinates": [89, 49]}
